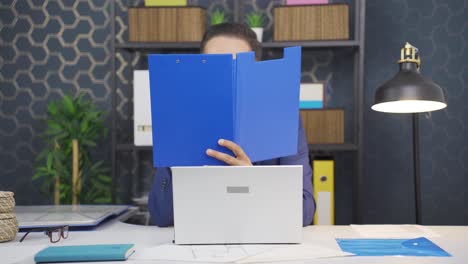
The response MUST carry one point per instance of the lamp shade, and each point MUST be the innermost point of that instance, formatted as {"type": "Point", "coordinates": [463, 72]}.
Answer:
{"type": "Point", "coordinates": [408, 91]}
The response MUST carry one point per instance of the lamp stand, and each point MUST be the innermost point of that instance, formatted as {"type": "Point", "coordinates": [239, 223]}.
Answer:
{"type": "Point", "coordinates": [416, 168]}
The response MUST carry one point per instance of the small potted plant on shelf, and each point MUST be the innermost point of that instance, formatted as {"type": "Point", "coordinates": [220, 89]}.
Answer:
{"type": "Point", "coordinates": [217, 17]}
{"type": "Point", "coordinates": [256, 21]}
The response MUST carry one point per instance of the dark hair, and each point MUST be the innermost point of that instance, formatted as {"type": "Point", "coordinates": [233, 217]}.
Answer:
{"type": "Point", "coordinates": [236, 30]}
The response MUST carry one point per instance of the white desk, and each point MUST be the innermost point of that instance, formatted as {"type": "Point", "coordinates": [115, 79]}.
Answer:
{"type": "Point", "coordinates": [452, 239]}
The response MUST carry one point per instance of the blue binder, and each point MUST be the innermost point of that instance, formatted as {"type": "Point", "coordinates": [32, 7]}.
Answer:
{"type": "Point", "coordinates": [197, 99]}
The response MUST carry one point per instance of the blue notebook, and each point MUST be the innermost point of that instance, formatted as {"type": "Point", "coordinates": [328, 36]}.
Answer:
{"type": "Point", "coordinates": [392, 247]}
{"type": "Point", "coordinates": [197, 99]}
{"type": "Point", "coordinates": [81, 253]}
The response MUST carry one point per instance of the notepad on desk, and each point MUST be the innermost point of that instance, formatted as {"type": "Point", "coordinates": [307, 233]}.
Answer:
{"type": "Point", "coordinates": [103, 252]}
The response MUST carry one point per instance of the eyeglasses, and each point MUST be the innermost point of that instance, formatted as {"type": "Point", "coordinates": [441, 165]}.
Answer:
{"type": "Point", "coordinates": [54, 233]}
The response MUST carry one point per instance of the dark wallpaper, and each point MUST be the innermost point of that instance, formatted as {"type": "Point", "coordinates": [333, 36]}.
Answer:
{"type": "Point", "coordinates": [440, 30]}
{"type": "Point", "coordinates": [51, 48]}
{"type": "Point", "coordinates": [47, 49]}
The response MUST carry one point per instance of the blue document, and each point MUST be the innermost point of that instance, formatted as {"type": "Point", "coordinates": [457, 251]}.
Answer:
{"type": "Point", "coordinates": [81, 253]}
{"type": "Point", "coordinates": [392, 247]}
{"type": "Point", "coordinates": [197, 99]}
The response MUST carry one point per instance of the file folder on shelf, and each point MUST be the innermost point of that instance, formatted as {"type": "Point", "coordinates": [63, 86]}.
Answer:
{"type": "Point", "coordinates": [324, 179]}
{"type": "Point", "coordinates": [197, 99]}
{"type": "Point", "coordinates": [312, 96]}
{"type": "Point", "coordinates": [142, 132]}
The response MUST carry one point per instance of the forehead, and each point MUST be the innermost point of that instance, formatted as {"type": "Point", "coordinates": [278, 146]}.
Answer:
{"type": "Point", "coordinates": [226, 44]}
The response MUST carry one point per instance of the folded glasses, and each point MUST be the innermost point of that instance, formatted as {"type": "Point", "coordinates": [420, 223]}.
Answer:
{"type": "Point", "coordinates": [54, 233]}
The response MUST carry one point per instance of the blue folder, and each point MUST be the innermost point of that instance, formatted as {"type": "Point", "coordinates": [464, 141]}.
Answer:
{"type": "Point", "coordinates": [392, 247]}
{"type": "Point", "coordinates": [197, 99]}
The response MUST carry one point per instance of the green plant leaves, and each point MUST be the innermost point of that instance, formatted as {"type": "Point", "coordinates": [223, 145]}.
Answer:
{"type": "Point", "coordinates": [52, 108]}
{"type": "Point", "coordinates": [217, 17]}
{"type": "Point", "coordinates": [68, 103]}
{"type": "Point", "coordinates": [49, 161]}
{"type": "Point", "coordinates": [255, 19]}
{"type": "Point", "coordinates": [70, 119]}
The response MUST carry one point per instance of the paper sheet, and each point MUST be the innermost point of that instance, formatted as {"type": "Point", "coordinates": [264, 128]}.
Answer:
{"type": "Point", "coordinates": [208, 253]}
{"type": "Point", "coordinates": [393, 231]}
{"type": "Point", "coordinates": [236, 253]}
{"type": "Point", "coordinates": [295, 252]}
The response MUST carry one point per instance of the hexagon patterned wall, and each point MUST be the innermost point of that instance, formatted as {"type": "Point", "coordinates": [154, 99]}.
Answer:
{"type": "Point", "coordinates": [440, 30]}
{"type": "Point", "coordinates": [52, 47]}
{"type": "Point", "coordinates": [48, 49]}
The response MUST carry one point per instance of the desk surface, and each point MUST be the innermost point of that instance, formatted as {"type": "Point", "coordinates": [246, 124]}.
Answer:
{"type": "Point", "coordinates": [453, 239]}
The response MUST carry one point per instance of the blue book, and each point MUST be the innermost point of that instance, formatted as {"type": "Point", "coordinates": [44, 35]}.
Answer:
{"type": "Point", "coordinates": [197, 99]}
{"type": "Point", "coordinates": [81, 253]}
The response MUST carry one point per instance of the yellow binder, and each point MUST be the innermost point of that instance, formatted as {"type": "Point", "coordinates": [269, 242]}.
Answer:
{"type": "Point", "coordinates": [324, 179]}
{"type": "Point", "coordinates": [165, 2]}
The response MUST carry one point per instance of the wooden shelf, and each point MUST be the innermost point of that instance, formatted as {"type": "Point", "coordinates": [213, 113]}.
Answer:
{"type": "Point", "coordinates": [131, 147]}
{"type": "Point", "coordinates": [157, 45]}
{"type": "Point", "coordinates": [266, 45]}
{"type": "Point", "coordinates": [332, 147]}
{"type": "Point", "coordinates": [312, 147]}
{"type": "Point", "coordinates": [312, 44]}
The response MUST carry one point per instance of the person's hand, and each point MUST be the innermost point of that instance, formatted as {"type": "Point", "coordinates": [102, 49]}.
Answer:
{"type": "Point", "coordinates": [240, 159]}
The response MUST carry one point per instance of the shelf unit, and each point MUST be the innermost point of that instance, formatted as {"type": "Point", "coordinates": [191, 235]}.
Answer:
{"type": "Point", "coordinates": [312, 147]}
{"type": "Point", "coordinates": [266, 45]}
{"type": "Point", "coordinates": [356, 45]}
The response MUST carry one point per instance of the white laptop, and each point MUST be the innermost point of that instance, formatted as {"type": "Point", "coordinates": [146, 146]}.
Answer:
{"type": "Point", "coordinates": [237, 204]}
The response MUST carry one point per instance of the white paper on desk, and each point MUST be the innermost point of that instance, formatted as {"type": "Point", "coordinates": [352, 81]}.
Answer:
{"type": "Point", "coordinates": [393, 231]}
{"type": "Point", "coordinates": [294, 252]}
{"type": "Point", "coordinates": [208, 253]}
{"type": "Point", "coordinates": [236, 253]}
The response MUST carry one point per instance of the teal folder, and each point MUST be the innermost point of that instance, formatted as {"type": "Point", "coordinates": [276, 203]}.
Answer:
{"type": "Point", "coordinates": [81, 253]}
{"type": "Point", "coordinates": [197, 99]}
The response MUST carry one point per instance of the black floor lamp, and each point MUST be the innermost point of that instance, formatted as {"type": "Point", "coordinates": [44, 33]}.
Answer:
{"type": "Point", "coordinates": [410, 92]}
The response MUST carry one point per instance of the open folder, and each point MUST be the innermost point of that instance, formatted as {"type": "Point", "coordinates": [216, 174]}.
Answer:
{"type": "Point", "coordinates": [197, 99]}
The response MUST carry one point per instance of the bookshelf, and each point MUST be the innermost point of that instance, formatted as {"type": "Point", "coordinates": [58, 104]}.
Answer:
{"type": "Point", "coordinates": [355, 45]}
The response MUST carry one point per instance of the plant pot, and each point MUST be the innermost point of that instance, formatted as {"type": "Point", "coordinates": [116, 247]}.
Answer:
{"type": "Point", "coordinates": [259, 32]}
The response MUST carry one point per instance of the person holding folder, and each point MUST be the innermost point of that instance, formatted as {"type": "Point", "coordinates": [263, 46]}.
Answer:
{"type": "Point", "coordinates": [232, 38]}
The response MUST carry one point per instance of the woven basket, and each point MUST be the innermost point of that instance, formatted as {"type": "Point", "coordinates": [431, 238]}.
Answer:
{"type": "Point", "coordinates": [8, 227]}
{"type": "Point", "coordinates": [7, 202]}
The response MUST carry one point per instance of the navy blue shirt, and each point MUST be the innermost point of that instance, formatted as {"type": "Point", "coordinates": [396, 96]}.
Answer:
{"type": "Point", "coordinates": [160, 201]}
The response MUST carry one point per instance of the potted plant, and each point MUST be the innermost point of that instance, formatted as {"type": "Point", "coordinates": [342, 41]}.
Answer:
{"type": "Point", "coordinates": [217, 17]}
{"type": "Point", "coordinates": [256, 21]}
{"type": "Point", "coordinates": [65, 165]}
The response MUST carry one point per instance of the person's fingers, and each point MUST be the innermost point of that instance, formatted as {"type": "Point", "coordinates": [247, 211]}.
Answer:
{"type": "Point", "coordinates": [228, 159]}
{"type": "Point", "coordinates": [236, 149]}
